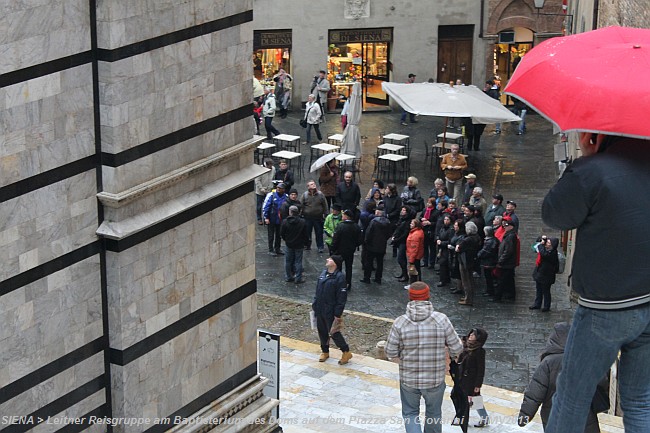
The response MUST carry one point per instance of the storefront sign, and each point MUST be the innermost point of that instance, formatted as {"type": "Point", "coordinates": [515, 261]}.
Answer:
{"type": "Point", "coordinates": [268, 363]}
{"type": "Point", "coordinates": [271, 39]}
{"type": "Point", "coordinates": [360, 35]}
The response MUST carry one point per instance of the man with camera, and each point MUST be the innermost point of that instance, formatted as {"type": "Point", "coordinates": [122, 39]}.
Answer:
{"type": "Point", "coordinates": [320, 87]}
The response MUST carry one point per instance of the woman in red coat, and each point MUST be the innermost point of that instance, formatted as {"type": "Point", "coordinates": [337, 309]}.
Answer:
{"type": "Point", "coordinates": [415, 248]}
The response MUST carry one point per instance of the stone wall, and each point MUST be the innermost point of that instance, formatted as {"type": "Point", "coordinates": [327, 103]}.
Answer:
{"type": "Point", "coordinates": [626, 13]}
{"type": "Point", "coordinates": [128, 282]}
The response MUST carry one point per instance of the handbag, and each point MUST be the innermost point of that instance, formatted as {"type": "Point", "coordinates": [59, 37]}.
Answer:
{"type": "Point", "coordinates": [303, 123]}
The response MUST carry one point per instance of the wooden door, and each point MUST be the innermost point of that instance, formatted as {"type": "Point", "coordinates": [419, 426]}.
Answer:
{"type": "Point", "coordinates": [455, 60]}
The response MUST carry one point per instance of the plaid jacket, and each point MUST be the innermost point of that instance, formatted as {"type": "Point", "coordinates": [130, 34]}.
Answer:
{"type": "Point", "coordinates": [418, 339]}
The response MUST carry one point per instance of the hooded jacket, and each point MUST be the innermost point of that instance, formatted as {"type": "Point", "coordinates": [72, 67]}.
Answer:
{"type": "Point", "coordinates": [419, 338]}
{"type": "Point", "coordinates": [610, 262]}
{"type": "Point", "coordinates": [541, 388]}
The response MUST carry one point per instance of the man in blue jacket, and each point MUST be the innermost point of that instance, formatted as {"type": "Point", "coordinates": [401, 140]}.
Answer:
{"type": "Point", "coordinates": [328, 305]}
{"type": "Point", "coordinates": [610, 273]}
{"type": "Point", "coordinates": [273, 219]}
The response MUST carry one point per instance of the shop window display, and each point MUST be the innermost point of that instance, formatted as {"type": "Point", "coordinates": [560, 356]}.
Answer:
{"type": "Point", "coordinates": [267, 63]}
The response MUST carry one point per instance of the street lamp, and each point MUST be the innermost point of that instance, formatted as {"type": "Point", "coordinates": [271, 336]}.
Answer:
{"type": "Point", "coordinates": [539, 4]}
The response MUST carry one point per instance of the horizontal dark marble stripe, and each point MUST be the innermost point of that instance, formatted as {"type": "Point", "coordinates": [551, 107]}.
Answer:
{"type": "Point", "coordinates": [51, 369]}
{"type": "Point", "coordinates": [59, 405]}
{"type": "Point", "coordinates": [176, 137]}
{"type": "Point", "coordinates": [124, 357]}
{"type": "Point", "coordinates": [48, 268]}
{"type": "Point", "coordinates": [47, 178]}
{"type": "Point", "coordinates": [113, 55]}
{"type": "Point", "coordinates": [161, 41]}
{"type": "Point", "coordinates": [45, 68]}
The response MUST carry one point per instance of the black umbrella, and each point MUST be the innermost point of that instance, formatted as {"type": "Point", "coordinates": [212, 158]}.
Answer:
{"type": "Point", "coordinates": [459, 398]}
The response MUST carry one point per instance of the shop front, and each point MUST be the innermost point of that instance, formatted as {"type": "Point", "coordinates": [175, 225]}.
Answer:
{"type": "Point", "coordinates": [271, 51]}
{"type": "Point", "coordinates": [512, 45]}
{"type": "Point", "coordinates": [359, 55]}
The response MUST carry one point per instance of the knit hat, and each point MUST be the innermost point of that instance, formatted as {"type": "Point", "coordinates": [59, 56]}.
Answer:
{"type": "Point", "coordinates": [349, 213]}
{"type": "Point", "coordinates": [419, 291]}
{"type": "Point", "coordinates": [292, 191]}
{"type": "Point", "coordinates": [338, 260]}
{"type": "Point", "coordinates": [336, 206]}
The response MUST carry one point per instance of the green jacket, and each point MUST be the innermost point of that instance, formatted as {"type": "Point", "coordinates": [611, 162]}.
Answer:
{"type": "Point", "coordinates": [331, 221]}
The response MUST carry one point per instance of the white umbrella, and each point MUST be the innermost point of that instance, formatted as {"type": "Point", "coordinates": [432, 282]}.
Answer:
{"type": "Point", "coordinates": [322, 161]}
{"type": "Point", "coordinates": [442, 100]}
{"type": "Point", "coordinates": [351, 142]}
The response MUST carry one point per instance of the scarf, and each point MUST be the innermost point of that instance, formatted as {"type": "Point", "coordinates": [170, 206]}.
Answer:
{"type": "Point", "coordinates": [538, 260]}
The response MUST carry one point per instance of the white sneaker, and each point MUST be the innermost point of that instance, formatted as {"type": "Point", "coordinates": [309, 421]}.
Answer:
{"type": "Point", "coordinates": [408, 286]}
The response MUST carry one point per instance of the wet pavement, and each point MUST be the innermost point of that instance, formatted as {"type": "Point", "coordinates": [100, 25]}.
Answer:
{"type": "Point", "coordinates": [521, 168]}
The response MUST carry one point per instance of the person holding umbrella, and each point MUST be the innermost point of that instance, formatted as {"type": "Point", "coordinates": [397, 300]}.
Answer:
{"type": "Point", "coordinates": [419, 341]}
{"type": "Point", "coordinates": [609, 269]}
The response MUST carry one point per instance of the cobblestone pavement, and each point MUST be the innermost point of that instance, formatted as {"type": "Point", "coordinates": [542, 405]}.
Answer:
{"type": "Point", "coordinates": [521, 168]}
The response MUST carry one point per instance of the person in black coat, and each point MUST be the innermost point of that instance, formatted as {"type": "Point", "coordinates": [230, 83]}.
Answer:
{"type": "Point", "coordinates": [507, 261]}
{"type": "Point", "coordinates": [293, 234]}
{"type": "Point", "coordinates": [546, 266]}
{"type": "Point", "coordinates": [348, 194]}
{"type": "Point", "coordinates": [541, 388]}
{"type": "Point", "coordinates": [444, 237]}
{"type": "Point", "coordinates": [376, 236]}
{"type": "Point", "coordinates": [285, 175]}
{"type": "Point", "coordinates": [329, 303]}
{"type": "Point", "coordinates": [399, 240]}
{"type": "Point", "coordinates": [472, 369]}
{"type": "Point", "coordinates": [346, 239]}
{"type": "Point", "coordinates": [487, 257]}
{"type": "Point", "coordinates": [466, 250]}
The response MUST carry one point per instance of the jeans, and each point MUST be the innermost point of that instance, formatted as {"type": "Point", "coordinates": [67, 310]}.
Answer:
{"type": "Point", "coordinates": [522, 124]}
{"type": "Point", "coordinates": [411, 117]}
{"type": "Point", "coordinates": [270, 129]}
{"type": "Point", "coordinates": [594, 341]}
{"type": "Point", "coordinates": [258, 208]}
{"type": "Point", "coordinates": [542, 293]}
{"type": "Point", "coordinates": [293, 263]}
{"type": "Point", "coordinates": [317, 129]}
{"type": "Point", "coordinates": [273, 231]}
{"type": "Point", "coordinates": [411, 408]}
{"type": "Point", "coordinates": [317, 225]}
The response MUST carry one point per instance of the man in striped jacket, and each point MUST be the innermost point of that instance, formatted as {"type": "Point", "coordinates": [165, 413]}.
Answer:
{"type": "Point", "coordinates": [419, 341]}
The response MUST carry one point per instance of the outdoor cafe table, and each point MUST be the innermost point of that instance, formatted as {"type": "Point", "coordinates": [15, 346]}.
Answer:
{"type": "Point", "coordinates": [289, 155]}
{"type": "Point", "coordinates": [287, 142]}
{"type": "Point", "coordinates": [321, 149]}
{"type": "Point", "coordinates": [392, 159]}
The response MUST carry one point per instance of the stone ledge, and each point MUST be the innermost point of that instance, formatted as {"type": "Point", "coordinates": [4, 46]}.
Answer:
{"type": "Point", "coordinates": [118, 230]}
{"type": "Point", "coordinates": [244, 409]}
{"type": "Point", "coordinates": [121, 199]}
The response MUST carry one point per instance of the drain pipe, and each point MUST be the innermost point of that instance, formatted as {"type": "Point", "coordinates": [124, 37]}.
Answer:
{"type": "Point", "coordinates": [480, 31]}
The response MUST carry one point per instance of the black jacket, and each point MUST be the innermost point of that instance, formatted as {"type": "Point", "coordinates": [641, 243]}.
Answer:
{"type": "Point", "coordinates": [508, 251]}
{"type": "Point", "coordinates": [545, 272]}
{"type": "Point", "coordinates": [284, 209]}
{"type": "Point", "coordinates": [331, 294]}
{"type": "Point", "coordinates": [347, 237]}
{"type": "Point", "coordinates": [610, 264]}
{"type": "Point", "coordinates": [468, 249]}
{"type": "Point", "coordinates": [392, 207]}
{"type": "Point", "coordinates": [293, 232]}
{"type": "Point", "coordinates": [402, 230]}
{"type": "Point", "coordinates": [377, 235]}
{"type": "Point", "coordinates": [472, 365]}
{"type": "Point", "coordinates": [348, 196]}
{"type": "Point", "coordinates": [489, 253]}
{"type": "Point", "coordinates": [285, 176]}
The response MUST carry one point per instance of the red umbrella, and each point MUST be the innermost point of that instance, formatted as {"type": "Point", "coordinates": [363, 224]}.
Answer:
{"type": "Point", "coordinates": [594, 81]}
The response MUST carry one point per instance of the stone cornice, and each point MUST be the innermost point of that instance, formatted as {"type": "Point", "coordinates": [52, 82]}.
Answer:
{"type": "Point", "coordinates": [120, 199]}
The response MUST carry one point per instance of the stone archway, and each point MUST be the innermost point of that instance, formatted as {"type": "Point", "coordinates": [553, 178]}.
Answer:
{"type": "Point", "coordinates": [508, 14]}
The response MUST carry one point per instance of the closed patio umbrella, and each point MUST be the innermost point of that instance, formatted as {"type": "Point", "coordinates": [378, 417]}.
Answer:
{"type": "Point", "coordinates": [351, 143]}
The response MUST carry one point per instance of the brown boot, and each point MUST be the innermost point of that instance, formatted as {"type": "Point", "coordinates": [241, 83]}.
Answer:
{"type": "Point", "coordinates": [323, 357]}
{"type": "Point", "coordinates": [345, 358]}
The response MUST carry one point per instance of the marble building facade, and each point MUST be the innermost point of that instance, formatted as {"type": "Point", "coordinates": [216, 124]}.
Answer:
{"type": "Point", "coordinates": [127, 285]}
